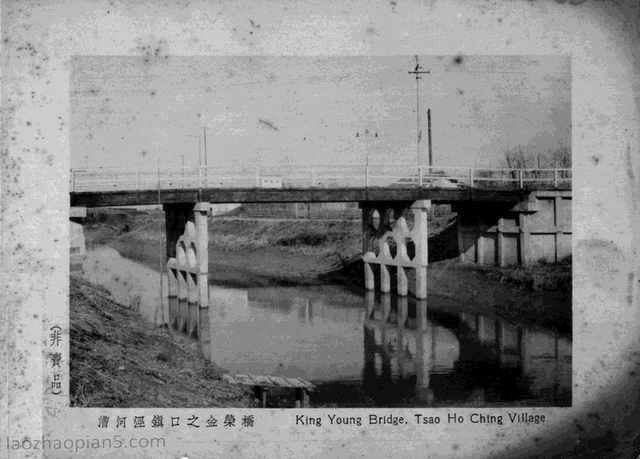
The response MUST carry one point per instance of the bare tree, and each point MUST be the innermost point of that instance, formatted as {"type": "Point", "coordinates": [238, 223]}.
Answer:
{"type": "Point", "coordinates": [560, 158]}
{"type": "Point", "coordinates": [520, 158]}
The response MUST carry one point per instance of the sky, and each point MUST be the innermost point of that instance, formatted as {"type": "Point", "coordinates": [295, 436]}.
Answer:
{"type": "Point", "coordinates": [274, 110]}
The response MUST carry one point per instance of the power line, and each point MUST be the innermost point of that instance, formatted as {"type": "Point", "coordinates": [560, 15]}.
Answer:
{"type": "Point", "coordinates": [509, 72]}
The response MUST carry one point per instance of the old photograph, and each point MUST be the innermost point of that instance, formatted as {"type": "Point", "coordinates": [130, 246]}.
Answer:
{"type": "Point", "coordinates": [323, 232]}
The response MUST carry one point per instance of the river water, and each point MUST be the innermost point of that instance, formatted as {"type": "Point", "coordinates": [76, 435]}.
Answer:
{"type": "Point", "coordinates": [361, 348]}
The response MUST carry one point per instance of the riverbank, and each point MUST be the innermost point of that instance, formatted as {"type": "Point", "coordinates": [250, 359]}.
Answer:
{"type": "Point", "coordinates": [120, 360]}
{"type": "Point", "coordinates": [246, 253]}
{"type": "Point", "coordinates": [262, 253]}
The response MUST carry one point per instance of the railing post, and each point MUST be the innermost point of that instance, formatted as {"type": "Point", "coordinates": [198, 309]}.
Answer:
{"type": "Point", "coordinates": [313, 178]}
{"type": "Point", "coordinates": [555, 179]}
{"type": "Point", "coordinates": [419, 176]}
{"type": "Point", "coordinates": [520, 180]}
{"type": "Point", "coordinates": [471, 177]}
{"type": "Point", "coordinates": [200, 177]}
{"type": "Point", "coordinates": [366, 176]}
{"type": "Point", "coordinates": [137, 179]}
{"type": "Point", "coordinates": [257, 177]}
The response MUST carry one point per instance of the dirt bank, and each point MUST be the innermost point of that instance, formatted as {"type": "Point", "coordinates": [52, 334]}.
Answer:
{"type": "Point", "coordinates": [120, 360]}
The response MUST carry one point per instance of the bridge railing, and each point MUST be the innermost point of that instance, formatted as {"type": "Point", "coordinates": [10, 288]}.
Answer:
{"type": "Point", "coordinates": [318, 177]}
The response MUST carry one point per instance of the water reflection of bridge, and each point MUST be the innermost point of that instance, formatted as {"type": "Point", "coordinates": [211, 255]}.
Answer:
{"type": "Point", "coordinates": [338, 307]}
{"type": "Point", "coordinates": [429, 357]}
{"type": "Point", "coordinates": [387, 350]}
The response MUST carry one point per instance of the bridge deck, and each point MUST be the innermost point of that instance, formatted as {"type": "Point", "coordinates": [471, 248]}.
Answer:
{"type": "Point", "coordinates": [261, 195]}
{"type": "Point", "coordinates": [334, 183]}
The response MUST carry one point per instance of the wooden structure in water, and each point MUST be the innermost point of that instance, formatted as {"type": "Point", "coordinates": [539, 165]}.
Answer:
{"type": "Point", "coordinates": [262, 384]}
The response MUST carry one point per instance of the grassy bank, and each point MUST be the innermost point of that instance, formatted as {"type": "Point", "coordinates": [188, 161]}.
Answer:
{"type": "Point", "coordinates": [538, 276]}
{"type": "Point", "coordinates": [120, 360]}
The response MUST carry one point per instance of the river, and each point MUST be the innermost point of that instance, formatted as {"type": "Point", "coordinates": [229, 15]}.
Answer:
{"type": "Point", "coordinates": [361, 348]}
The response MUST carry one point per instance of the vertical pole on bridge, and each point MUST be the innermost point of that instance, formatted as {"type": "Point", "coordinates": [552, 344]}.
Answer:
{"type": "Point", "coordinates": [520, 179]}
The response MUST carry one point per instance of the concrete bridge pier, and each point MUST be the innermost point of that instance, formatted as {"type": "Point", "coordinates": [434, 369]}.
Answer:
{"type": "Point", "coordinates": [388, 241]}
{"type": "Point", "coordinates": [188, 268]}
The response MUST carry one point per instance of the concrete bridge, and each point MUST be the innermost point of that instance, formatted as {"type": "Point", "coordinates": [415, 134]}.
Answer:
{"type": "Point", "coordinates": [504, 216]}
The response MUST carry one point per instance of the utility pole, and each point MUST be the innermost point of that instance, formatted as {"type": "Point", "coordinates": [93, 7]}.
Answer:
{"type": "Point", "coordinates": [205, 147]}
{"type": "Point", "coordinates": [204, 127]}
{"type": "Point", "coordinates": [417, 72]}
{"type": "Point", "coordinates": [430, 151]}
{"type": "Point", "coordinates": [366, 134]}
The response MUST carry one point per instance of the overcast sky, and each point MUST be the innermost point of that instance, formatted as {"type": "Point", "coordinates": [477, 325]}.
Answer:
{"type": "Point", "coordinates": [308, 110]}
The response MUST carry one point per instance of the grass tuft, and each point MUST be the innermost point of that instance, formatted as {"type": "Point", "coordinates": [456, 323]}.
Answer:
{"type": "Point", "coordinates": [542, 275]}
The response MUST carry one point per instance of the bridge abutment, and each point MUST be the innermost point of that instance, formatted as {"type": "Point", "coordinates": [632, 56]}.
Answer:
{"type": "Point", "coordinates": [77, 246]}
{"type": "Point", "coordinates": [395, 236]}
{"type": "Point", "coordinates": [537, 228]}
{"type": "Point", "coordinates": [188, 268]}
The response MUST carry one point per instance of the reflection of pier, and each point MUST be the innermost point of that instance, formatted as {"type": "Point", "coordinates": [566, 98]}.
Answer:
{"type": "Point", "coordinates": [342, 308]}
{"type": "Point", "coordinates": [412, 353]}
